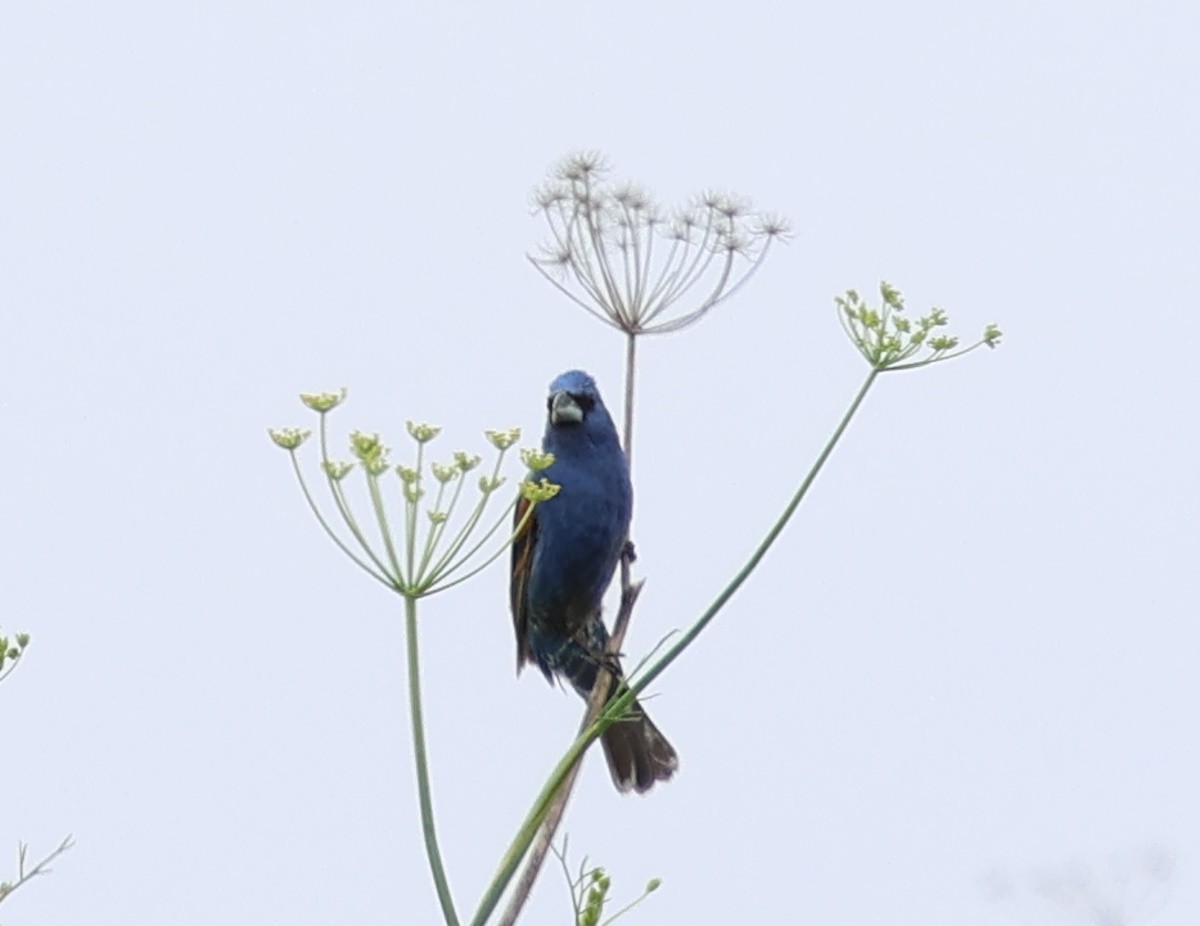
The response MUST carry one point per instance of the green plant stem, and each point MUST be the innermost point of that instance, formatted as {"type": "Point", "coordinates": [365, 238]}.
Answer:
{"type": "Point", "coordinates": [529, 827]}
{"type": "Point", "coordinates": [549, 820]}
{"type": "Point", "coordinates": [339, 499]}
{"type": "Point", "coordinates": [312, 506]}
{"type": "Point", "coordinates": [620, 703]}
{"type": "Point", "coordinates": [630, 371]}
{"type": "Point", "coordinates": [752, 563]}
{"type": "Point", "coordinates": [385, 532]}
{"type": "Point", "coordinates": [420, 757]}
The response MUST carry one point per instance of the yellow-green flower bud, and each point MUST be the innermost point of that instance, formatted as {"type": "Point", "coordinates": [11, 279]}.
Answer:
{"type": "Point", "coordinates": [539, 491]}
{"type": "Point", "coordinates": [376, 465]}
{"type": "Point", "coordinates": [466, 461]}
{"type": "Point", "coordinates": [412, 492]}
{"type": "Point", "coordinates": [22, 640]}
{"type": "Point", "coordinates": [408, 474]}
{"type": "Point", "coordinates": [442, 473]}
{"type": "Point", "coordinates": [653, 885]}
{"type": "Point", "coordinates": [489, 484]}
{"type": "Point", "coordinates": [323, 401]}
{"type": "Point", "coordinates": [437, 517]}
{"type": "Point", "coordinates": [364, 446]}
{"type": "Point", "coordinates": [336, 470]}
{"type": "Point", "coordinates": [288, 438]}
{"type": "Point", "coordinates": [423, 433]}
{"type": "Point", "coordinates": [891, 296]}
{"type": "Point", "coordinates": [536, 459]}
{"type": "Point", "coordinates": [502, 440]}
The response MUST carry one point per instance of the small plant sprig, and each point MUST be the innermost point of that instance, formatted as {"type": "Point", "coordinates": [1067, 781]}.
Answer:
{"type": "Point", "coordinates": [888, 338]}
{"type": "Point", "coordinates": [590, 888]}
{"type": "Point", "coordinates": [1127, 889]}
{"type": "Point", "coordinates": [24, 874]}
{"type": "Point", "coordinates": [11, 652]}
{"type": "Point", "coordinates": [422, 555]}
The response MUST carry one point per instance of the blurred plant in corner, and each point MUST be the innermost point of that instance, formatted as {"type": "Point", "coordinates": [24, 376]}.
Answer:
{"type": "Point", "coordinates": [10, 653]}
{"type": "Point", "coordinates": [1128, 889]}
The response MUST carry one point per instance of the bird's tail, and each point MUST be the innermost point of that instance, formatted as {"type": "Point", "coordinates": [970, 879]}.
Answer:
{"type": "Point", "coordinates": [638, 754]}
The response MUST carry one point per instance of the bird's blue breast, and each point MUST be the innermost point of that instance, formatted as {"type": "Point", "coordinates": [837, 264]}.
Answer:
{"type": "Point", "coordinates": [580, 538]}
{"type": "Point", "coordinates": [580, 533]}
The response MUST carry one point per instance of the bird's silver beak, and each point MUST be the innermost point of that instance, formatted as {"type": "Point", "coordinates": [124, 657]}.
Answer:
{"type": "Point", "coordinates": [564, 409]}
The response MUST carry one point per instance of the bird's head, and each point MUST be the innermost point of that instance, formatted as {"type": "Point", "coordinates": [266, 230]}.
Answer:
{"type": "Point", "coordinates": [573, 397]}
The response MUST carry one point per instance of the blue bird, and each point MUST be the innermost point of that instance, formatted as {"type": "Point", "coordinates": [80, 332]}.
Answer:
{"type": "Point", "coordinates": [563, 561]}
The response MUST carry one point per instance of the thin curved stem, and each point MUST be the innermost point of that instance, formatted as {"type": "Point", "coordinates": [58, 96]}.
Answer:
{"type": "Point", "coordinates": [25, 875]}
{"type": "Point", "coordinates": [381, 518]}
{"type": "Point", "coordinates": [621, 624]}
{"type": "Point", "coordinates": [937, 358]}
{"type": "Point", "coordinates": [630, 369]}
{"type": "Point", "coordinates": [325, 526]}
{"type": "Point", "coordinates": [755, 558]}
{"type": "Point", "coordinates": [343, 507]}
{"type": "Point", "coordinates": [570, 295]}
{"type": "Point", "coordinates": [424, 796]}
{"type": "Point", "coordinates": [553, 791]}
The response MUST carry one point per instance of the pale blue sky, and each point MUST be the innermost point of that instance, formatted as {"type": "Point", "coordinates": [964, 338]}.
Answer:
{"type": "Point", "coordinates": [974, 651]}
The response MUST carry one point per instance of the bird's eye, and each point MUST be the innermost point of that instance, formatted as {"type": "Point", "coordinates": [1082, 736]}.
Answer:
{"type": "Point", "coordinates": [585, 401]}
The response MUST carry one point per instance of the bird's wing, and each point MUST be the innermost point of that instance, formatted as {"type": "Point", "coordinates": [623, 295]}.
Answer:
{"type": "Point", "coordinates": [524, 541]}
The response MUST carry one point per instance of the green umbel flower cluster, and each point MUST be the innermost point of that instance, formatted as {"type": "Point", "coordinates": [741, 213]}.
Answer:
{"type": "Point", "coordinates": [422, 554]}
{"type": "Point", "coordinates": [890, 339]}
{"type": "Point", "coordinates": [11, 652]}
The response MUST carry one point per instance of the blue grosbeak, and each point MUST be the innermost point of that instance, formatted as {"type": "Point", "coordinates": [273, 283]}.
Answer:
{"type": "Point", "coordinates": [564, 560]}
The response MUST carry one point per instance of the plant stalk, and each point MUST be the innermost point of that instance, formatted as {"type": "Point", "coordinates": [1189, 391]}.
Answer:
{"type": "Point", "coordinates": [420, 756]}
